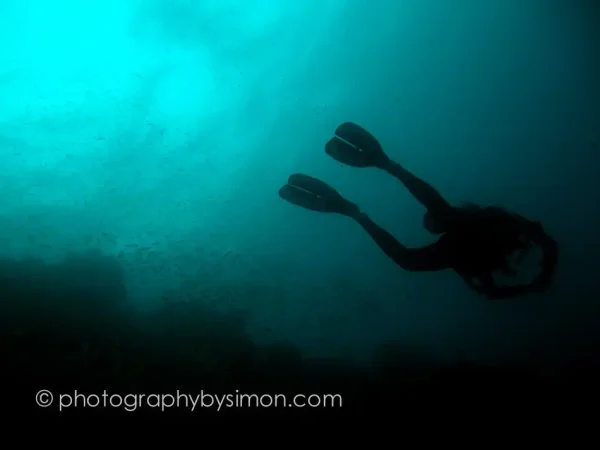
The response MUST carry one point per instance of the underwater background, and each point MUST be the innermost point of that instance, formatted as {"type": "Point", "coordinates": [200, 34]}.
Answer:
{"type": "Point", "coordinates": [143, 144]}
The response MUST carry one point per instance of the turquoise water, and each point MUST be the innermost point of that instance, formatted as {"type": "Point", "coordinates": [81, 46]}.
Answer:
{"type": "Point", "coordinates": [157, 133]}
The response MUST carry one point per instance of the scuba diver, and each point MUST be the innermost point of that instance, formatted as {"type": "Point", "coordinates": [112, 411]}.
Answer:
{"type": "Point", "coordinates": [475, 241]}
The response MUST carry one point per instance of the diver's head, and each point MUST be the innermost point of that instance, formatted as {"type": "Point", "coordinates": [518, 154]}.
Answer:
{"type": "Point", "coordinates": [435, 224]}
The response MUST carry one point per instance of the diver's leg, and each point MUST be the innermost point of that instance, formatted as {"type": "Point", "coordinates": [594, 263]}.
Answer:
{"type": "Point", "coordinates": [429, 258]}
{"type": "Point", "coordinates": [354, 146]}
{"type": "Point", "coordinates": [313, 194]}
{"type": "Point", "coordinates": [425, 194]}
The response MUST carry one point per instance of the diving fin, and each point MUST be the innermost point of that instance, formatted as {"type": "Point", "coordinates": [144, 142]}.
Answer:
{"type": "Point", "coordinates": [313, 194]}
{"type": "Point", "coordinates": [302, 198]}
{"type": "Point", "coordinates": [311, 184]}
{"type": "Point", "coordinates": [354, 146]}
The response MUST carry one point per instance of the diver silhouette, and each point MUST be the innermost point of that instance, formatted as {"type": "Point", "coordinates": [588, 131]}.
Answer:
{"type": "Point", "coordinates": [475, 241]}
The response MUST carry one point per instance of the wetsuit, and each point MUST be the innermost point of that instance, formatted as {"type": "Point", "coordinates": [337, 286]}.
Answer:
{"type": "Point", "coordinates": [475, 244]}
{"type": "Point", "coordinates": [475, 241]}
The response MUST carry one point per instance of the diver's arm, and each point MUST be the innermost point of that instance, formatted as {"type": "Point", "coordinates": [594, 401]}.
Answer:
{"type": "Point", "coordinates": [539, 284]}
{"type": "Point", "coordinates": [535, 231]}
{"type": "Point", "coordinates": [487, 288]}
{"type": "Point", "coordinates": [425, 194]}
{"type": "Point", "coordinates": [485, 285]}
{"type": "Point", "coordinates": [549, 260]}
